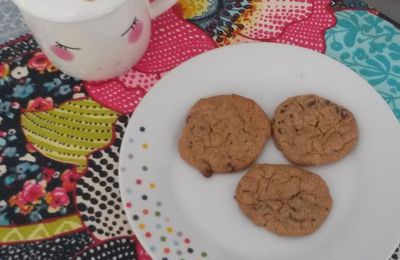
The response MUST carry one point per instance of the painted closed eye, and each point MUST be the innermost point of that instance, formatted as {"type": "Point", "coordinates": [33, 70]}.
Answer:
{"type": "Point", "coordinates": [134, 31]}
{"type": "Point", "coordinates": [63, 52]}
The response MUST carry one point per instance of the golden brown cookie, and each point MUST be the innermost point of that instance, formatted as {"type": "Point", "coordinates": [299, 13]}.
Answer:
{"type": "Point", "coordinates": [286, 200]}
{"type": "Point", "coordinates": [311, 130]}
{"type": "Point", "coordinates": [224, 134]}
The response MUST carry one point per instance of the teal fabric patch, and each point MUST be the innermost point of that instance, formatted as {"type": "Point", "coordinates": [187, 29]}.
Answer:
{"type": "Point", "coordinates": [370, 46]}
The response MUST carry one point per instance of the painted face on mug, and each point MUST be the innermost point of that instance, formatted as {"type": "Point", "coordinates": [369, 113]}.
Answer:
{"type": "Point", "coordinates": [99, 49]}
{"type": "Point", "coordinates": [131, 35]}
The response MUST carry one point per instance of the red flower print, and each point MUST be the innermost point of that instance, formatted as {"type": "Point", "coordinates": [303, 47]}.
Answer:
{"type": "Point", "coordinates": [56, 199]}
{"type": "Point", "coordinates": [48, 174]}
{"type": "Point", "coordinates": [4, 70]}
{"type": "Point", "coordinates": [17, 200]}
{"type": "Point", "coordinates": [39, 62]}
{"type": "Point", "coordinates": [40, 104]}
{"type": "Point", "coordinates": [32, 191]}
{"type": "Point", "coordinates": [30, 195]}
{"type": "Point", "coordinates": [30, 148]}
{"type": "Point", "coordinates": [69, 179]}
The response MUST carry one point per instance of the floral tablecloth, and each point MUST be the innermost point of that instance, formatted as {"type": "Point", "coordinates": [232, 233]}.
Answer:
{"type": "Point", "coordinates": [60, 137]}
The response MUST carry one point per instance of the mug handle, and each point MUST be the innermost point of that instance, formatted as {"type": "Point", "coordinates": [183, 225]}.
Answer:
{"type": "Point", "coordinates": [158, 7]}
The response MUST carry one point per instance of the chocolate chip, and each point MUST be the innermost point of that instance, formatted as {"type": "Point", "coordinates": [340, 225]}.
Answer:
{"type": "Point", "coordinates": [230, 166]}
{"type": "Point", "coordinates": [344, 113]}
{"type": "Point", "coordinates": [283, 111]}
{"type": "Point", "coordinates": [327, 102]}
{"type": "Point", "coordinates": [205, 168]}
{"type": "Point", "coordinates": [291, 115]}
{"type": "Point", "coordinates": [207, 173]}
{"type": "Point", "coordinates": [311, 103]}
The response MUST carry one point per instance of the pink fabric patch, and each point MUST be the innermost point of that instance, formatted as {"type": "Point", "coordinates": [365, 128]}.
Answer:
{"type": "Point", "coordinates": [135, 33]}
{"type": "Point", "coordinates": [310, 32]}
{"type": "Point", "coordinates": [115, 95]}
{"type": "Point", "coordinates": [62, 53]}
{"type": "Point", "coordinates": [298, 22]}
{"type": "Point", "coordinates": [173, 41]}
{"type": "Point", "coordinates": [270, 17]}
{"type": "Point", "coordinates": [133, 78]}
{"type": "Point", "coordinates": [141, 253]}
{"type": "Point", "coordinates": [122, 94]}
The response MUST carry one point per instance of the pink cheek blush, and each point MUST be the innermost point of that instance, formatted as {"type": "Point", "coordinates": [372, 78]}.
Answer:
{"type": "Point", "coordinates": [61, 53]}
{"type": "Point", "coordinates": [135, 33]}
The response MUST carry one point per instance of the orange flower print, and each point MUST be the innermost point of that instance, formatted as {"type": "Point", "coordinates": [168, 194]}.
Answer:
{"type": "Point", "coordinates": [40, 62]}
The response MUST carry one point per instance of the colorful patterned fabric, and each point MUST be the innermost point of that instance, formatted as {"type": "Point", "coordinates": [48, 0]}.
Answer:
{"type": "Point", "coordinates": [60, 137]}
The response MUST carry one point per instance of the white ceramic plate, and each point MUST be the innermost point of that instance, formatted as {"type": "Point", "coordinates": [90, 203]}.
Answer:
{"type": "Point", "coordinates": [179, 214]}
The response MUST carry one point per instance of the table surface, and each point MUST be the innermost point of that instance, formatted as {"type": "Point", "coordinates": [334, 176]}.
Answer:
{"type": "Point", "coordinates": [391, 8]}
{"type": "Point", "coordinates": [53, 209]}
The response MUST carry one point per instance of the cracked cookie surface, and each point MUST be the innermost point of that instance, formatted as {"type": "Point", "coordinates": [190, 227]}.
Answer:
{"type": "Point", "coordinates": [224, 134]}
{"type": "Point", "coordinates": [311, 130]}
{"type": "Point", "coordinates": [286, 200]}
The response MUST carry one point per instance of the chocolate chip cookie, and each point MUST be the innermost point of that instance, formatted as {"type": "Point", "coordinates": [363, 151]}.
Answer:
{"type": "Point", "coordinates": [224, 134]}
{"type": "Point", "coordinates": [286, 200]}
{"type": "Point", "coordinates": [311, 130]}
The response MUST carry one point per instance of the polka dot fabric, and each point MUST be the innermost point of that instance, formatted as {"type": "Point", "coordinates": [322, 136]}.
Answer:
{"type": "Point", "coordinates": [173, 42]}
{"type": "Point", "coordinates": [98, 198]}
{"type": "Point", "coordinates": [133, 79]}
{"type": "Point", "coordinates": [116, 95]}
{"type": "Point", "coordinates": [117, 249]}
{"type": "Point", "coordinates": [309, 33]}
{"type": "Point", "coordinates": [270, 18]}
{"type": "Point", "coordinates": [63, 247]}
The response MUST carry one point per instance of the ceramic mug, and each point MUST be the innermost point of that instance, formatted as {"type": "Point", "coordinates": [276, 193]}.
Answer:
{"type": "Point", "coordinates": [92, 39]}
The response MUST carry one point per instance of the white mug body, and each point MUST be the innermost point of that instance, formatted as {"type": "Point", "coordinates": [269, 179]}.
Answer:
{"type": "Point", "coordinates": [99, 48]}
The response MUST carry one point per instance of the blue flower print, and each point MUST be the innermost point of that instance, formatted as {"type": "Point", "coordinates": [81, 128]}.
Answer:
{"type": "Point", "coordinates": [57, 85]}
{"type": "Point", "coordinates": [3, 142]}
{"type": "Point", "coordinates": [35, 216]}
{"type": "Point", "coordinates": [5, 107]}
{"type": "Point", "coordinates": [10, 179]}
{"type": "Point", "coordinates": [23, 91]}
{"type": "Point", "coordinates": [49, 86]}
{"type": "Point", "coordinates": [10, 152]}
{"type": "Point", "coordinates": [3, 213]}
{"type": "Point", "coordinates": [64, 90]}
{"type": "Point", "coordinates": [26, 167]}
{"type": "Point", "coordinates": [21, 176]}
